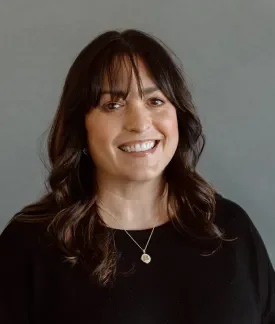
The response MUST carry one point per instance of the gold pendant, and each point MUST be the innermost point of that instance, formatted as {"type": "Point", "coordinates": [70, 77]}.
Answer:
{"type": "Point", "coordinates": [146, 258]}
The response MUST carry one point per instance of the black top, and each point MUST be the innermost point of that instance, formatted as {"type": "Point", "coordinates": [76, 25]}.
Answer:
{"type": "Point", "coordinates": [235, 285]}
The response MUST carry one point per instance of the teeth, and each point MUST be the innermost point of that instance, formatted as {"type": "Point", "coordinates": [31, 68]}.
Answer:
{"type": "Point", "coordinates": [139, 147]}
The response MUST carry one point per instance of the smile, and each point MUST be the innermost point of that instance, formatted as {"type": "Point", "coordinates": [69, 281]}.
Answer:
{"type": "Point", "coordinates": [139, 147]}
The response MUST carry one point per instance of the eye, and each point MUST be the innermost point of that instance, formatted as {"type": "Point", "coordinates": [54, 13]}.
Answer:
{"type": "Point", "coordinates": [111, 106]}
{"type": "Point", "coordinates": [156, 102]}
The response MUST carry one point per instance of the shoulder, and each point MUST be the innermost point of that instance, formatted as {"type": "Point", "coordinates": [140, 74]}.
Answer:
{"type": "Point", "coordinates": [250, 250]}
{"type": "Point", "coordinates": [21, 237]}
{"type": "Point", "coordinates": [231, 216]}
{"type": "Point", "coordinates": [233, 219]}
{"type": "Point", "coordinates": [235, 222]}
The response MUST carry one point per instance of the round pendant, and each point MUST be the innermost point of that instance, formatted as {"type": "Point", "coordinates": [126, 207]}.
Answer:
{"type": "Point", "coordinates": [146, 258]}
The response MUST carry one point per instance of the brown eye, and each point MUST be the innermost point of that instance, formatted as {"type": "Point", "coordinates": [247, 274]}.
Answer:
{"type": "Point", "coordinates": [111, 106]}
{"type": "Point", "coordinates": [156, 102]}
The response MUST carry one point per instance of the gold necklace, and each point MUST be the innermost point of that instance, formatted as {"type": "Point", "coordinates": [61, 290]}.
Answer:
{"type": "Point", "coordinates": [145, 257]}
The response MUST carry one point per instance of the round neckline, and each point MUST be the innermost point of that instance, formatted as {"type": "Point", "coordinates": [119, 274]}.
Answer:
{"type": "Point", "coordinates": [157, 228]}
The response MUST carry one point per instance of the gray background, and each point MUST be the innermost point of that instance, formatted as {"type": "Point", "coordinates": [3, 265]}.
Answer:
{"type": "Point", "coordinates": [228, 52]}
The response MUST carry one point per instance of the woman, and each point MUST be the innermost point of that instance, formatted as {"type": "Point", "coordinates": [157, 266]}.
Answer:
{"type": "Point", "coordinates": [129, 232]}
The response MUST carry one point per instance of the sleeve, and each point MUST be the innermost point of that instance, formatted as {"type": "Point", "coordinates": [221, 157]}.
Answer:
{"type": "Point", "coordinates": [266, 278]}
{"type": "Point", "coordinates": [14, 275]}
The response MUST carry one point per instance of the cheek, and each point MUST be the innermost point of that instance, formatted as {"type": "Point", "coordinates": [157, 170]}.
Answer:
{"type": "Point", "coordinates": [99, 136]}
{"type": "Point", "coordinates": [168, 123]}
{"type": "Point", "coordinates": [95, 136]}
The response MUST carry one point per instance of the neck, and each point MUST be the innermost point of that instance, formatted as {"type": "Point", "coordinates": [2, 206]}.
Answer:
{"type": "Point", "coordinates": [132, 205]}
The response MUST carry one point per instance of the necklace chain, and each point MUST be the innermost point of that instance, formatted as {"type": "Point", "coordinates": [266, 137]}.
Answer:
{"type": "Point", "coordinates": [144, 250]}
{"type": "Point", "coordinates": [152, 231]}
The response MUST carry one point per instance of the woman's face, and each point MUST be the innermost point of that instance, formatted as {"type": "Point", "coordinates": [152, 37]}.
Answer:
{"type": "Point", "coordinates": [132, 139]}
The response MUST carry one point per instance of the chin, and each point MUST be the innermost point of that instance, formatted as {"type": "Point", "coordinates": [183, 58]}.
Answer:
{"type": "Point", "coordinates": [142, 176]}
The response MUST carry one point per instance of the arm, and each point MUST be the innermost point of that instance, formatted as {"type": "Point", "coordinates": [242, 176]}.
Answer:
{"type": "Point", "coordinates": [266, 277]}
{"type": "Point", "coordinates": [269, 306]}
{"type": "Point", "coordinates": [14, 275]}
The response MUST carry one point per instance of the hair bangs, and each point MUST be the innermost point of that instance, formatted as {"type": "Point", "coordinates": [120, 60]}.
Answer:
{"type": "Point", "coordinates": [108, 78]}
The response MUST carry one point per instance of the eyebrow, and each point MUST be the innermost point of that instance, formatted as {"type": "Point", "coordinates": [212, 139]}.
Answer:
{"type": "Point", "coordinates": [121, 93]}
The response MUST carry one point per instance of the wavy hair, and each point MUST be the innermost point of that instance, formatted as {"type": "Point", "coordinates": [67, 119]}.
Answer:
{"type": "Point", "coordinates": [69, 205]}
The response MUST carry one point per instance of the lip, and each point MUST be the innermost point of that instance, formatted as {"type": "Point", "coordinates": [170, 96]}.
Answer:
{"type": "Point", "coordinates": [142, 153]}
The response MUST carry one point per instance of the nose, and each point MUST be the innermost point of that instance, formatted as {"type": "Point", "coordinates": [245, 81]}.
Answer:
{"type": "Point", "coordinates": [138, 118]}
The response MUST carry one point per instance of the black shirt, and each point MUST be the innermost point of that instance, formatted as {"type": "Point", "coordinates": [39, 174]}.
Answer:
{"type": "Point", "coordinates": [235, 285]}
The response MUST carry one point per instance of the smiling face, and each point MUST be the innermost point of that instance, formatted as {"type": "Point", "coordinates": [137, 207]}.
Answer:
{"type": "Point", "coordinates": [132, 139]}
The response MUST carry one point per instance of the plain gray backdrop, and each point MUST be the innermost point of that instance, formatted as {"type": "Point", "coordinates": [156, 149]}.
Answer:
{"type": "Point", "coordinates": [228, 53]}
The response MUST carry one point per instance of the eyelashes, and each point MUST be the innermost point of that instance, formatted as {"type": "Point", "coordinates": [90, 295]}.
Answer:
{"type": "Point", "coordinates": [116, 105]}
{"type": "Point", "coordinates": [159, 100]}
{"type": "Point", "coordinates": [111, 106]}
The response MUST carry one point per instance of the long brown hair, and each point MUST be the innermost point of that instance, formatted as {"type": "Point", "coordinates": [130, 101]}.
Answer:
{"type": "Point", "coordinates": [69, 205]}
